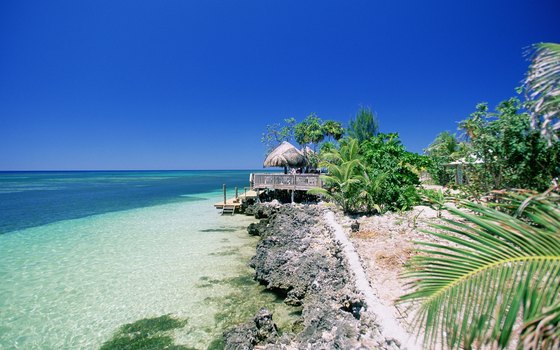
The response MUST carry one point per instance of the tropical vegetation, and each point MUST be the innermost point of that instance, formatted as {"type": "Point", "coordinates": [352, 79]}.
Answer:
{"type": "Point", "coordinates": [499, 150]}
{"type": "Point", "coordinates": [500, 265]}
{"type": "Point", "coordinates": [345, 174]}
{"type": "Point", "coordinates": [276, 133]}
{"type": "Point", "coordinates": [312, 131]}
{"type": "Point", "coordinates": [513, 154]}
{"type": "Point", "coordinates": [375, 175]}
{"type": "Point", "coordinates": [396, 169]}
{"type": "Point", "coordinates": [364, 125]}
{"type": "Point", "coordinates": [494, 274]}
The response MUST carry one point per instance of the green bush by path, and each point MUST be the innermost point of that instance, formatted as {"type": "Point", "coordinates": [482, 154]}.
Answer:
{"type": "Point", "coordinates": [375, 175]}
{"type": "Point", "coordinates": [385, 156]}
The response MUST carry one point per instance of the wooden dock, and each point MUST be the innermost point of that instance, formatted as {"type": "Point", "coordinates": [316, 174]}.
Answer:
{"type": "Point", "coordinates": [231, 205]}
{"type": "Point", "coordinates": [268, 181]}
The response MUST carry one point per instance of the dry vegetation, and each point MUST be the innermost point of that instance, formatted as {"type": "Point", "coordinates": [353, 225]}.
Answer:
{"type": "Point", "coordinates": [385, 243]}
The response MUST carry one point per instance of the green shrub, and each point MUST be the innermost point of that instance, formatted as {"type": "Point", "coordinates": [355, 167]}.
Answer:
{"type": "Point", "coordinates": [385, 156]}
{"type": "Point", "coordinates": [375, 175]}
{"type": "Point", "coordinates": [513, 155]}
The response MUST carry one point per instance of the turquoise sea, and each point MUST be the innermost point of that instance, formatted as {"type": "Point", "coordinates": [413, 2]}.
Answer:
{"type": "Point", "coordinates": [83, 253]}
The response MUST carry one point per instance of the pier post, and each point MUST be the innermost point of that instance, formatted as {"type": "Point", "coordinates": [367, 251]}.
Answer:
{"type": "Point", "coordinates": [225, 198]}
{"type": "Point", "coordinates": [236, 193]}
{"type": "Point", "coordinates": [245, 192]}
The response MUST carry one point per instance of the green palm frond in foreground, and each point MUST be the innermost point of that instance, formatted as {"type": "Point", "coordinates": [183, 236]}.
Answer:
{"type": "Point", "coordinates": [494, 270]}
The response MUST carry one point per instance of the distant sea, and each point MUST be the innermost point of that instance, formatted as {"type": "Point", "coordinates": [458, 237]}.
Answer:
{"type": "Point", "coordinates": [83, 253]}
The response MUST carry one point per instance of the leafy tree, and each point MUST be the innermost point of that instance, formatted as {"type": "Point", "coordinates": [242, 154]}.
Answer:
{"type": "Point", "coordinates": [309, 131]}
{"type": "Point", "coordinates": [513, 155]}
{"type": "Point", "coordinates": [384, 156]}
{"type": "Point", "coordinates": [496, 268]}
{"type": "Point", "coordinates": [364, 126]}
{"type": "Point", "coordinates": [542, 86]}
{"type": "Point", "coordinates": [333, 129]}
{"type": "Point", "coordinates": [376, 175]}
{"type": "Point", "coordinates": [276, 133]}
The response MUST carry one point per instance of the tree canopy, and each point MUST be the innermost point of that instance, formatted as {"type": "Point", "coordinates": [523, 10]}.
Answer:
{"type": "Point", "coordinates": [512, 154]}
{"type": "Point", "coordinates": [311, 131]}
{"type": "Point", "coordinates": [364, 125]}
{"type": "Point", "coordinates": [276, 133]}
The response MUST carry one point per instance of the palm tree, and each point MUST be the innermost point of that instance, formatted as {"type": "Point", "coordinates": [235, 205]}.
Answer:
{"type": "Point", "coordinates": [444, 145]}
{"type": "Point", "coordinates": [472, 125]}
{"type": "Point", "coordinates": [349, 150]}
{"type": "Point", "coordinates": [542, 86]}
{"type": "Point", "coordinates": [341, 183]}
{"type": "Point", "coordinates": [502, 265]}
{"type": "Point", "coordinates": [370, 191]}
{"type": "Point", "coordinates": [345, 169]}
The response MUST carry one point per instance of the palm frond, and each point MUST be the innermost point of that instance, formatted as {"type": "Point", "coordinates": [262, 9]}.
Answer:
{"type": "Point", "coordinates": [320, 191]}
{"type": "Point", "coordinates": [542, 331]}
{"type": "Point", "coordinates": [543, 88]}
{"type": "Point", "coordinates": [493, 269]}
{"type": "Point", "coordinates": [341, 182]}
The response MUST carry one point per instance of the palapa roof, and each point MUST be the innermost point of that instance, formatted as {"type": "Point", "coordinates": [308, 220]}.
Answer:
{"type": "Point", "coordinates": [285, 155]}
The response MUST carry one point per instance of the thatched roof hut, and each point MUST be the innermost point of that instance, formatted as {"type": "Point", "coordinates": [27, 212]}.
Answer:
{"type": "Point", "coordinates": [285, 155]}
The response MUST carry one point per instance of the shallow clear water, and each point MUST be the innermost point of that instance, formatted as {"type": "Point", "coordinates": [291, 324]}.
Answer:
{"type": "Point", "coordinates": [30, 199]}
{"type": "Point", "coordinates": [71, 283]}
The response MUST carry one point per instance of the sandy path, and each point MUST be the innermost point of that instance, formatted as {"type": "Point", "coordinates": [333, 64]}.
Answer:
{"type": "Point", "coordinates": [391, 327]}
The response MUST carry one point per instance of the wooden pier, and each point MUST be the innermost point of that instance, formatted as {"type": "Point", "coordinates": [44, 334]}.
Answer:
{"type": "Point", "coordinates": [268, 181]}
{"type": "Point", "coordinates": [231, 205]}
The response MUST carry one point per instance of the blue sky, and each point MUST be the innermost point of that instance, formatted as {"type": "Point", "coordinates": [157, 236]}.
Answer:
{"type": "Point", "coordinates": [192, 84]}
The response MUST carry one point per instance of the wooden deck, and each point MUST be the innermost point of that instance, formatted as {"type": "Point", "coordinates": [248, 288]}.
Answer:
{"type": "Point", "coordinates": [297, 182]}
{"type": "Point", "coordinates": [262, 181]}
{"type": "Point", "coordinates": [235, 203]}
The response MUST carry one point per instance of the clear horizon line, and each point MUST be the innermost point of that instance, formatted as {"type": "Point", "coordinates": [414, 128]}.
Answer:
{"type": "Point", "coordinates": [125, 170]}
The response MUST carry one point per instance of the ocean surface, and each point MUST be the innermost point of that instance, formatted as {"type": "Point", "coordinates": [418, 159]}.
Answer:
{"type": "Point", "coordinates": [84, 253]}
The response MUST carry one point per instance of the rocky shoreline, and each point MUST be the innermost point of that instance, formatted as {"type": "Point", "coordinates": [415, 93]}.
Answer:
{"type": "Point", "coordinates": [299, 258]}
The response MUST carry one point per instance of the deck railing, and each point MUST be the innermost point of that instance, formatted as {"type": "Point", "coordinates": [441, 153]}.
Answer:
{"type": "Point", "coordinates": [299, 182]}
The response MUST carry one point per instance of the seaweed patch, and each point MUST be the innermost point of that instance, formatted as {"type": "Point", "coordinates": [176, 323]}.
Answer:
{"type": "Point", "coordinates": [147, 333]}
